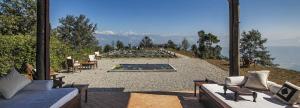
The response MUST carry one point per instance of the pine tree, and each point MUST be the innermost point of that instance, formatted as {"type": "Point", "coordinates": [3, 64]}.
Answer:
{"type": "Point", "coordinates": [208, 47]}
{"type": "Point", "coordinates": [146, 42]}
{"type": "Point", "coordinates": [185, 44]}
{"type": "Point", "coordinates": [171, 44]}
{"type": "Point", "coordinates": [77, 31]}
{"type": "Point", "coordinates": [252, 48]}
{"type": "Point", "coordinates": [120, 45]}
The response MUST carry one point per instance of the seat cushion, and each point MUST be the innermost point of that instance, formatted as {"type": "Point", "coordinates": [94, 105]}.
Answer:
{"type": "Point", "coordinates": [39, 85]}
{"type": "Point", "coordinates": [54, 98]}
{"type": "Point", "coordinates": [288, 93]}
{"type": "Point", "coordinates": [12, 83]}
{"type": "Point", "coordinates": [257, 80]}
{"type": "Point", "coordinates": [264, 98]}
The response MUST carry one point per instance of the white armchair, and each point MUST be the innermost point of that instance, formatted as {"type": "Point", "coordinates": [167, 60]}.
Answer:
{"type": "Point", "coordinates": [97, 53]}
{"type": "Point", "coordinates": [92, 58]}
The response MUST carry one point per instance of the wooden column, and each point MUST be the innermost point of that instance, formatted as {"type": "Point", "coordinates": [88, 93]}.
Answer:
{"type": "Point", "coordinates": [43, 38]}
{"type": "Point", "coordinates": [234, 41]}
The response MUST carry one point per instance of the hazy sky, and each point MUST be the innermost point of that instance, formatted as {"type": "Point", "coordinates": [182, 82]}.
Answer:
{"type": "Point", "coordinates": [278, 20]}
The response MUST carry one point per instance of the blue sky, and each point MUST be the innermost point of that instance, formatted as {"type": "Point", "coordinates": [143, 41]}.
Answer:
{"type": "Point", "coordinates": [278, 20]}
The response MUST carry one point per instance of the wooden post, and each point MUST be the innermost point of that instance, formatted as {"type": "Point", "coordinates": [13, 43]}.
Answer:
{"type": "Point", "coordinates": [43, 38]}
{"type": "Point", "coordinates": [234, 41]}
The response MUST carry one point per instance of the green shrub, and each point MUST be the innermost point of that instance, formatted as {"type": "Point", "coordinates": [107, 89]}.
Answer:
{"type": "Point", "coordinates": [19, 49]}
{"type": "Point", "coordinates": [15, 50]}
{"type": "Point", "coordinates": [58, 53]}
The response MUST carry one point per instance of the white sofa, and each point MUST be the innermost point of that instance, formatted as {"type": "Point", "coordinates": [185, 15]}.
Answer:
{"type": "Point", "coordinates": [39, 94]}
{"type": "Point", "coordinates": [264, 99]}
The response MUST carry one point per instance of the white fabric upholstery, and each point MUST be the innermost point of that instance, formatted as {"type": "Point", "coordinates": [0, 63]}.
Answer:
{"type": "Point", "coordinates": [92, 58]}
{"type": "Point", "coordinates": [235, 80]}
{"type": "Point", "coordinates": [263, 100]}
{"type": "Point", "coordinates": [69, 57]}
{"type": "Point", "coordinates": [257, 79]}
{"type": "Point", "coordinates": [54, 98]}
{"type": "Point", "coordinates": [39, 85]}
{"type": "Point", "coordinates": [97, 53]}
{"type": "Point", "coordinates": [273, 87]}
{"type": "Point", "coordinates": [76, 63]}
{"type": "Point", "coordinates": [12, 83]}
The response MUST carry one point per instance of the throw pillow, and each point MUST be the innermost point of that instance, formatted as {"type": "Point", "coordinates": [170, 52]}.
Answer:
{"type": "Point", "coordinates": [235, 80]}
{"type": "Point", "coordinates": [288, 93]}
{"type": "Point", "coordinates": [257, 80]}
{"type": "Point", "coordinates": [12, 83]}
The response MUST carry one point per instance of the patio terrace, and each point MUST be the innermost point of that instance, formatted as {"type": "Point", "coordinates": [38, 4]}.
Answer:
{"type": "Point", "coordinates": [146, 89]}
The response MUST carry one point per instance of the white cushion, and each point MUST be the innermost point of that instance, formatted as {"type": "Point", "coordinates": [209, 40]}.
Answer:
{"type": "Point", "coordinates": [288, 93]}
{"type": "Point", "coordinates": [235, 80]}
{"type": "Point", "coordinates": [263, 100]}
{"type": "Point", "coordinates": [92, 58]}
{"type": "Point", "coordinates": [12, 83]}
{"type": "Point", "coordinates": [257, 79]}
{"type": "Point", "coordinates": [97, 53]}
{"type": "Point", "coordinates": [273, 87]}
{"type": "Point", "coordinates": [39, 85]}
{"type": "Point", "coordinates": [69, 57]}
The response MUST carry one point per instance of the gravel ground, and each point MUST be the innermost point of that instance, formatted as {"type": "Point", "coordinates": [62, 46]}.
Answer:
{"type": "Point", "coordinates": [188, 69]}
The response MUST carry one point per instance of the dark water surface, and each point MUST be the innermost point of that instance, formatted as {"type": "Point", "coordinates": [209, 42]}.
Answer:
{"type": "Point", "coordinates": [287, 57]}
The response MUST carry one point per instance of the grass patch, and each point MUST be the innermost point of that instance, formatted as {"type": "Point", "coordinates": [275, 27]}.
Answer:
{"type": "Point", "coordinates": [278, 75]}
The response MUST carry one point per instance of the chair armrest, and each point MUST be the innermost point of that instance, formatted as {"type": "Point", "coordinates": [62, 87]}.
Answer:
{"type": "Point", "coordinates": [235, 80]}
{"type": "Point", "coordinates": [60, 77]}
{"type": "Point", "coordinates": [273, 87]}
{"type": "Point", "coordinates": [58, 82]}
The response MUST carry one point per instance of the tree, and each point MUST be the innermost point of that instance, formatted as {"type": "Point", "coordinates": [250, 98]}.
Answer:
{"type": "Point", "coordinates": [194, 49]}
{"type": "Point", "coordinates": [77, 31]}
{"type": "Point", "coordinates": [185, 44]}
{"type": "Point", "coordinates": [120, 45]}
{"type": "Point", "coordinates": [171, 44]}
{"type": "Point", "coordinates": [253, 49]}
{"type": "Point", "coordinates": [146, 42]}
{"type": "Point", "coordinates": [207, 45]}
{"type": "Point", "coordinates": [17, 17]}
{"type": "Point", "coordinates": [107, 48]}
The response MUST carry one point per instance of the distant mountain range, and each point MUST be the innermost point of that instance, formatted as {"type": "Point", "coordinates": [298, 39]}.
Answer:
{"type": "Point", "coordinates": [135, 39]}
{"type": "Point", "coordinates": [105, 39]}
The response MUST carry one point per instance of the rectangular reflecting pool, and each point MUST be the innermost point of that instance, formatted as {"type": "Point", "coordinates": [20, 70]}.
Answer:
{"type": "Point", "coordinates": [143, 68]}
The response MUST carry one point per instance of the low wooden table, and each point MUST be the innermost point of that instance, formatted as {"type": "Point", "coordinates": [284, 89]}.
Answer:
{"type": "Point", "coordinates": [83, 89]}
{"type": "Point", "coordinates": [88, 65]}
{"type": "Point", "coordinates": [240, 91]}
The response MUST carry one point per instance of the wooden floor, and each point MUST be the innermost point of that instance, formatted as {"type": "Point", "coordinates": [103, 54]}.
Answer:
{"type": "Point", "coordinates": [117, 99]}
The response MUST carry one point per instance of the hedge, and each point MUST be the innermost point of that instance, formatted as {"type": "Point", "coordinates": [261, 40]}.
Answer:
{"type": "Point", "coordinates": [16, 50]}
{"type": "Point", "coordinates": [19, 49]}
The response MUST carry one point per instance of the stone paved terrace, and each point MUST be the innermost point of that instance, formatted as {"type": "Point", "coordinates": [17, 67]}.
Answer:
{"type": "Point", "coordinates": [155, 89]}
{"type": "Point", "coordinates": [188, 69]}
